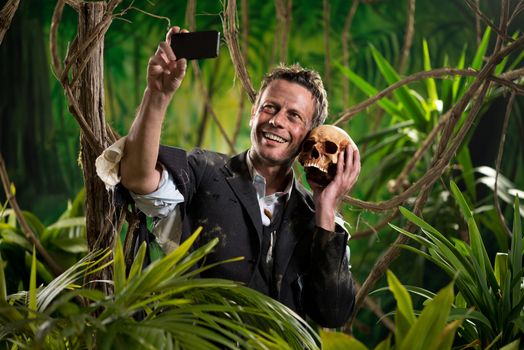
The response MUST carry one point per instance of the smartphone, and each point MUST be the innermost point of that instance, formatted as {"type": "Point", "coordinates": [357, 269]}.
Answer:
{"type": "Point", "coordinates": [196, 45]}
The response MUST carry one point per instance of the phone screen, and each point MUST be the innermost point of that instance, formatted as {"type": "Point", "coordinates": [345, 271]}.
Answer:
{"type": "Point", "coordinates": [196, 45]}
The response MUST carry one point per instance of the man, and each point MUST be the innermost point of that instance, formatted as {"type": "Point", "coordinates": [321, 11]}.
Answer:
{"type": "Point", "coordinates": [292, 248]}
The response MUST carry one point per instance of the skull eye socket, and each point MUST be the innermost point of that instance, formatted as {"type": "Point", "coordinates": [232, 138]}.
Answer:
{"type": "Point", "coordinates": [330, 147]}
{"type": "Point", "coordinates": [308, 145]}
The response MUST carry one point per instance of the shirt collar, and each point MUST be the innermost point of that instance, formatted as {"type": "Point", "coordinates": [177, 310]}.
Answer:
{"type": "Point", "coordinates": [260, 182]}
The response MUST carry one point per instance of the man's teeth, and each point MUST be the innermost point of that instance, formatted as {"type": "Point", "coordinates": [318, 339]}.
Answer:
{"type": "Point", "coordinates": [274, 137]}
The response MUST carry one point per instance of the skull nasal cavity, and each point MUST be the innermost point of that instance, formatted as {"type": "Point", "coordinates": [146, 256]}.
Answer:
{"type": "Point", "coordinates": [314, 153]}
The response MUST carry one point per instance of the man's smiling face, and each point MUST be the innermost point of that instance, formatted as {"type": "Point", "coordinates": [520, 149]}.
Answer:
{"type": "Point", "coordinates": [280, 122]}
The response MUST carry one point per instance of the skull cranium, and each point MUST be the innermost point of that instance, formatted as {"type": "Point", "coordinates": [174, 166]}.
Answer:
{"type": "Point", "coordinates": [320, 151]}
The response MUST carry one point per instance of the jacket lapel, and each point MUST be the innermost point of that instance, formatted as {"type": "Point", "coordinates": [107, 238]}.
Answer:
{"type": "Point", "coordinates": [239, 179]}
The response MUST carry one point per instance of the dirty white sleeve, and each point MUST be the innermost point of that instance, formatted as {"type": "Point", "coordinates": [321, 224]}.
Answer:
{"type": "Point", "coordinates": [162, 201]}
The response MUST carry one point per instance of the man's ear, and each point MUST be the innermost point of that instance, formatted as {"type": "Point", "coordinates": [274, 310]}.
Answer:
{"type": "Point", "coordinates": [253, 109]}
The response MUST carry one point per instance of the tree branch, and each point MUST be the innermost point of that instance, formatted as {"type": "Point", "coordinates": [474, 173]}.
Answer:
{"type": "Point", "coordinates": [408, 37]}
{"type": "Point", "coordinates": [245, 42]}
{"type": "Point", "coordinates": [230, 34]}
{"type": "Point", "coordinates": [327, 50]}
{"type": "Point", "coordinates": [345, 49]}
{"type": "Point", "coordinates": [439, 73]}
{"type": "Point", "coordinates": [283, 10]}
{"type": "Point", "coordinates": [477, 24]}
{"type": "Point", "coordinates": [486, 20]}
{"type": "Point", "coordinates": [6, 16]}
{"type": "Point", "coordinates": [374, 229]}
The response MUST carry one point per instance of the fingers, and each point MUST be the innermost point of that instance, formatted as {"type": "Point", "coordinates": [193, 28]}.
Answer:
{"type": "Point", "coordinates": [167, 51]}
{"type": "Point", "coordinates": [171, 31]}
{"type": "Point", "coordinates": [348, 169]}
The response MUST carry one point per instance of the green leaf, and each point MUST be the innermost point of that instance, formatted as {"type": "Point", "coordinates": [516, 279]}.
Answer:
{"type": "Point", "coordinates": [34, 222]}
{"type": "Point", "coordinates": [385, 103]}
{"type": "Point", "coordinates": [402, 94]}
{"type": "Point", "coordinates": [501, 269]}
{"type": "Point", "coordinates": [385, 344]}
{"type": "Point", "coordinates": [404, 317]}
{"type": "Point", "coordinates": [41, 270]}
{"type": "Point", "coordinates": [452, 254]}
{"type": "Point", "coordinates": [15, 237]}
{"type": "Point", "coordinates": [3, 285]}
{"type": "Point", "coordinates": [481, 50]}
{"type": "Point", "coordinates": [456, 90]}
{"type": "Point", "coordinates": [12, 189]}
{"type": "Point", "coordinates": [478, 249]}
{"type": "Point", "coordinates": [339, 341]}
{"type": "Point", "coordinates": [379, 135]}
{"type": "Point", "coordinates": [516, 250]}
{"type": "Point", "coordinates": [69, 222]}
{"type": "Point", "coordinates": [431, 87]}
{"type": "Point", "coordinates": [514, 345]}
{"type": "Point", "coordinates": [515, 63]}
{"type": "Point", "coordinates": [119, 267]}
{"type": "Point", "coordinates": [32, 283]}
{"type": "Point", "coordinates": [427, 330]}
{"type": "Point", "coordinates": [478, 59]}
{"type": "Point", "coordinates": [138, 262]}
{"type": "Point", "coordinates": [464, 159]}
{"type": "Point", "coordinates": [460, 313]}
{"type": "Point", "coordinates": [446, 338]}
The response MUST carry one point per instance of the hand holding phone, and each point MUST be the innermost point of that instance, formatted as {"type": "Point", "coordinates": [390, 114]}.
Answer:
{"type": "Point", "coordinates": [196, 45]}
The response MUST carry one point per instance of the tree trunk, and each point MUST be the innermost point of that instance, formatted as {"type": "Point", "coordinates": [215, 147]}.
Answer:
{"type": "Point", "coordinates": [90, 94]}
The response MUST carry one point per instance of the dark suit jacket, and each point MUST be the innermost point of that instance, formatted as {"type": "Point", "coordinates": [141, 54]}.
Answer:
{"type": "Point", "coordinates": [311, 265]}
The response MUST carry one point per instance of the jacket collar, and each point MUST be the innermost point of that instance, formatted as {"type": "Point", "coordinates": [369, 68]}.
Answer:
{"type": "Point", "coordinates": [239, 179]}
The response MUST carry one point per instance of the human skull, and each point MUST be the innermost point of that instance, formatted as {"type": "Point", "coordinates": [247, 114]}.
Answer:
{"type": "Point", "coordinates": [320, 151]}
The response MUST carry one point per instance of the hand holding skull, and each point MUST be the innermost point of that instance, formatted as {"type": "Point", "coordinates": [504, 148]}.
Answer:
{"type": "Point", "coordinates": [332, 164]}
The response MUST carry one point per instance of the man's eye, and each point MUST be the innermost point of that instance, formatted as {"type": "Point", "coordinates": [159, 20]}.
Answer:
{"type": "Point", "coordinates": [295, 117]}
{"type": "Point", "coordinates": [269, 108]}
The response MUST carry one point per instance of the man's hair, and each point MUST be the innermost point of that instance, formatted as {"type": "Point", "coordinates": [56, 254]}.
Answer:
{"type": "Point", "coordinates": [307, 78]}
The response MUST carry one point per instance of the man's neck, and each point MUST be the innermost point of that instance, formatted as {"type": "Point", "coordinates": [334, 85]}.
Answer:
{"type": "Point", "coordinates": [277, 176]}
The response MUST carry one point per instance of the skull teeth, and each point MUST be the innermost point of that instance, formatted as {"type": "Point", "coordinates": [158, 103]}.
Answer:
{"type": "Point", "coordinates": [313, 164]}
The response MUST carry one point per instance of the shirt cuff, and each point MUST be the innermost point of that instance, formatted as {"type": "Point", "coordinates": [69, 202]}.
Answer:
{"type": "Point", "coordinates": [161, 202]}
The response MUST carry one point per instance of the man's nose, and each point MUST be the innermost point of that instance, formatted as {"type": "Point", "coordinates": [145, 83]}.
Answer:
{"type": "Point", "coordinates": [277, 118]}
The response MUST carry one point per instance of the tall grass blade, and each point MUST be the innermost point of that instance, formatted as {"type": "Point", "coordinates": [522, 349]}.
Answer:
{"type": "Point", "coordinates": [3, 285]}
{"type": "Point", "coordinates": [385, 103]}
{"type": "Point", "coordinates": [32, 283]}
{"type": "Point", "coordinates": [501, 269]}
{"type": "Point", "coordinates": [119, 267]}
{"type": "Point", "coordinates": [431, 87]}
{"type": "Point", "coordinates": [403, 95]}
{"type": "Point", "coordinates": [404, 317]}
{"type": "Point", "coordinates": [468, 173]}
{"type": "Point", "coordinates": [456, 88]}
{"type": "Point", "coordinates": [427, 330]}
{"type": "Point", "coordinates": [516, 251]}
{"type": "Point", "coordinates": [477, 245]}
{"type": "Point", "coordinates": [138, 262]}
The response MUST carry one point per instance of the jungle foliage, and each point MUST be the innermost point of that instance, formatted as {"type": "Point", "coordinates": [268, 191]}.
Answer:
{"type": "Point", "coordinates": [456, 137]}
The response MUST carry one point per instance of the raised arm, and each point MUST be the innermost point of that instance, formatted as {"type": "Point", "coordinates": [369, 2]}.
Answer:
{"type": "Point", "coordinates": [138, 168]}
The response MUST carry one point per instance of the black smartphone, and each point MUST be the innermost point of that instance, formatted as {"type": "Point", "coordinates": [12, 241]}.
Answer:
{"type": "Point", "coordinates": [196, 45]}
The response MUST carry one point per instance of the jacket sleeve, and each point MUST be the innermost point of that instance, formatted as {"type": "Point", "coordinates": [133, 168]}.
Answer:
{"type": "Point", "coordinates": [329, 293]}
